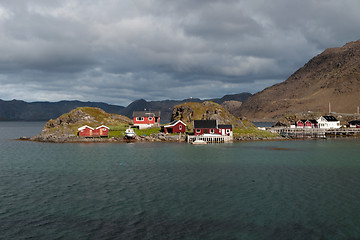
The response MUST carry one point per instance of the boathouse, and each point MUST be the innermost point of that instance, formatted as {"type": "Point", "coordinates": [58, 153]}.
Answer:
{"type": "Point", "coordinates": [101, 131]}
{"type": "Point", "coordinates": [176, 126]}
{"type": "Point", "coordinates": [146, 119]}
{"type": "Point", "coordinates": [211, 127]}
{"type": "Point", "coordinates": [85, 131]}
{"type": "Point", "coordinates": [328, 122]}
{"type": "Point", "coordinates": [205, 127]}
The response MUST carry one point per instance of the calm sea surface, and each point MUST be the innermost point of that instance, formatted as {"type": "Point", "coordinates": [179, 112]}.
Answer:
{"type": "Point", "coordinates": [251, 190]}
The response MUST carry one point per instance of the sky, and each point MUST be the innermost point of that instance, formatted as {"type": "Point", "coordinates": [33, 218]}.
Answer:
{"type": "Point", "coordinates": [117, 51]}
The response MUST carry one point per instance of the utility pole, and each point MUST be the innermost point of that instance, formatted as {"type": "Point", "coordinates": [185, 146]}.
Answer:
{"type": "Point", "coordinates": [329, 107]}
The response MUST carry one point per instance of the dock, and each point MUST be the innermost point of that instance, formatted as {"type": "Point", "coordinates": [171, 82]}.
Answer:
{"type": "Point", "coordinates": [314, 132]}
{"type": "Point", "coordinates": [210, 138]}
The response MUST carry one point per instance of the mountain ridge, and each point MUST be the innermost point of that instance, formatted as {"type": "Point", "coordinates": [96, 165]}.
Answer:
{"type": "Point", "coordinates": [19, 110]}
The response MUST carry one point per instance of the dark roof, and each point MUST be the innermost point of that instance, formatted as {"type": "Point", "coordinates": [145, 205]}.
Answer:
{"type": "Point", "coordinates": [205, 124]}
{"type": "Point", "coordinates": [357, 122]}
{"type": "Point", "coordinates": [330, 118]}
{"type": "Point", "coordinates": [312, 121]}
{"type": "Point", "coordinates": [225, 126]}
{"type": "Point", "coordinates": [146, 114]}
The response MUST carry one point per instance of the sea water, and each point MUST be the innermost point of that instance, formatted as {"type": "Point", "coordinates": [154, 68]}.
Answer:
{"type": "Point", "coordinates": [247, 190]}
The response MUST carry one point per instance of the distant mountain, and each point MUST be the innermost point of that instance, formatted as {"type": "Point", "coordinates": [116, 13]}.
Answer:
{"type": "Point", "coordinates": [331, 77]}
{"type": "Point", "coordinates": [17, 110]}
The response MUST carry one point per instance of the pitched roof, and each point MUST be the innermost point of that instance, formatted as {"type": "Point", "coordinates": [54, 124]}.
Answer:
{"type": "Point", "coordinates": [83, 127]}
{"type": "Point", "coordinates": [330, 118]}
{"type": "Point", "coordinates": [312, 121]}
{"type": "Point", "coordinates": [173, 123]}
{"type": "Point", "coordinates": [225, 126]}
{"type": "Point", "coordinates": [357, 122]}
{"type": "Point", "coordinates": [205, 124]}
{"type": "Point", "coordinates": [146, 114]}
{"type": "Point", "coordinates": [102, 126]}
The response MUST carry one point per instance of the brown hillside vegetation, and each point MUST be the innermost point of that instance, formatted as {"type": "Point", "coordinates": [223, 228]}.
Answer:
{"type": "Point", "coordinates": [188, 112]}
{"type": "Point", "coordinates": [332, 76]}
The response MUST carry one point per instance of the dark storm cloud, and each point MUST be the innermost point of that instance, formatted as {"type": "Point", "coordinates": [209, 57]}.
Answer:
{"type": "Point", "coordinates": [118, 51]}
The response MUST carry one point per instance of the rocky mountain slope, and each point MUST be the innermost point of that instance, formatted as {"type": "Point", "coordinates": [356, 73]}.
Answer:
{"type": "Point", "coordinates": [331, 77]}
{"type": "Point", "coordinates": [65, 126]}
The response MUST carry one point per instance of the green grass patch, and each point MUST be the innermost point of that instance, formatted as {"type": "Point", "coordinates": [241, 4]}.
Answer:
{"type": "Point", "coordinates": [147, 132]}
{"type": "Point", "coordinates": [239, 132]}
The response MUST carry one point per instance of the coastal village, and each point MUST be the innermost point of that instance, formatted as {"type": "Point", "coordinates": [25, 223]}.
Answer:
{"type": "Point", "coordinates": [210, 131]}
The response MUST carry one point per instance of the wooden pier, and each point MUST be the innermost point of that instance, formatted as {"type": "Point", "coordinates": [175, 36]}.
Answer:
{"type": "Point", "coordinates": [210, 138]}
{"type": "Point", "coordinates": [315, 132]}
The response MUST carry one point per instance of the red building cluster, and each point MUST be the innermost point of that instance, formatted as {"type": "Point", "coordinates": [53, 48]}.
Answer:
{"type": "Point", "coordinates": [86, 131]}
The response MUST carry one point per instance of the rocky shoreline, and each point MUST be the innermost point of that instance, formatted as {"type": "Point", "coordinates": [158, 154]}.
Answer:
{"type": "Point", "coordinates": [160, 137]}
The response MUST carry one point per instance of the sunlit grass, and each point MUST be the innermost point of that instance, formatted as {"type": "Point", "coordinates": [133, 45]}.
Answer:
{"type": "Point", "coordinates": [253, 132]}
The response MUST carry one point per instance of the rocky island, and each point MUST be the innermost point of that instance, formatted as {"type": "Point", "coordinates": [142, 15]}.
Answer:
{"type": "Point", "coordinates": [65, 128]}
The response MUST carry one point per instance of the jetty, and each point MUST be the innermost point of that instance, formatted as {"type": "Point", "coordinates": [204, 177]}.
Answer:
{"type": "Point", "coordinates": [209, 138]}
{"type": "Point", "coordinates": [314, 132]}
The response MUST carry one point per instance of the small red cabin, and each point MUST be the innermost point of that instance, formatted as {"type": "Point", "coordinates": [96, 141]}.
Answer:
{"type": "Point", "coordinates": [300, 123]}
{"type": "Point", "coordinates": [176, 126]}
{"type": "Point", "coordinates": [306, 124]}
{"type": "Point", "coordinates": [85, 131]}
{"type": "Point", "coordinates": [101, 131]}
{"type": "Point", "coordinates": [311, 123]}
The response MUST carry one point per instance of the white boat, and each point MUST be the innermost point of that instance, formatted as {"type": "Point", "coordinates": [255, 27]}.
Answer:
{"type": "Point", "coordinates": [199, 142]}
{"type": "Point", "coordinates": [129, 133]}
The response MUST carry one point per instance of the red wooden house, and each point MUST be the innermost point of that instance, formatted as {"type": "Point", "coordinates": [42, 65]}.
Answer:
{"type": "Point", "coordinates": [176, 126]}
{"type": "Point", "coordinates": [211, 127]}
{"type": "Point", "coordinates": [85, 131]}
{"type": "Point", "coordinates": [146, 119]}
{"type": "Point", "coordinates": [306, 123]}
{"type": "Point", "coordinates": [300, 123]}
{"type": "Point", "coordinates": [101, 131]}
{"type": "Point", "coordinates": [312, 123]}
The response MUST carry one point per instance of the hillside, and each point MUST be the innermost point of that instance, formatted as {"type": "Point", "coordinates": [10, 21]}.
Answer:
{"type": "Point", "coordinates": [332, 76]}
{"type": "Point", "coordinates": [190, 111]}
{"type": "Point", "coordinates": [66, 125]}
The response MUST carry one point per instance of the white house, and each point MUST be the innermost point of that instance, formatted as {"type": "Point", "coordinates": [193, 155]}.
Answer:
{"type": "Point", "coordinates": [328, 122]}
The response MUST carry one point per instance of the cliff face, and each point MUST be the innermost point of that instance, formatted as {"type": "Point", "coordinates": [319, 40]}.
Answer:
{"type": "Point", "coordinates": [188, 112]}
{"type": "Point", "coordinates": [332, 76]}
{"type": "Point", "coordinates": [67, 124]}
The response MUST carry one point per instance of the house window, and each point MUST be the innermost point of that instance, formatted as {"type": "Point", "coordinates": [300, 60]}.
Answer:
{"type": "Point", "coordinates": [198, 131]}
{"type": "Point", "coordinates": [180, 127]}
{"type": "Point", "coordinates": [150, 118]}
{"type": "Point", "coordinates": [139, 119]}
{"type": "Point", "coordinates": [227, 130]}
{"type": "Point", "coordinates": [211, 130]}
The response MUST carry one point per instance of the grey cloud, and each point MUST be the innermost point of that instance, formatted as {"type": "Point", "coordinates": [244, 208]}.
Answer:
{"type": "Point", "coordinates": [118, 51]}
